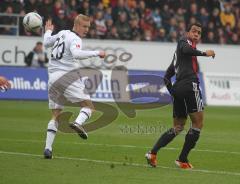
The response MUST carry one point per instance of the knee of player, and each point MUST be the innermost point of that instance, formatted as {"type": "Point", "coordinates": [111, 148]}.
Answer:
{"type": "Point", "coordinates": [179, 128]}
{"type": "Point", "coordinates": [90, 109]}
{"type": "Point", "coordinates": [93, 109]}
{"type": "Point", "coordinates": [55, 113]}
{"type": "Point", "coordinates": [197, 124]}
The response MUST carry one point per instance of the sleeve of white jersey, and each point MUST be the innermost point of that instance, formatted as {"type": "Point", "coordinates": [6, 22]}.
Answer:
{"type": "Point", "coordinates": [48, 39]}
{"type": "Point", "coordinates": [78, 53]}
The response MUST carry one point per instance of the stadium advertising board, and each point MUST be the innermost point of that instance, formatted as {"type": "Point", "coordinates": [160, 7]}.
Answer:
{"type": "Point", "coordinates": [111, 88]}
{"type": "Point", "coordinates": [26, 83]}
{"type": "Point", "coordinates": [134, 86]}
{"type": "Point", "coordinates": [147, 87]}
{"type": "Point", "coordinates": [222, 89]}
{"type": "Point", "coordinates": [31, 84]}
{"type": "Point", "coordinates": [131, 54]}
{"type": "Point", "coordinates": [156, 89]}
{"type": "Point", "coordinates": [13, 50]}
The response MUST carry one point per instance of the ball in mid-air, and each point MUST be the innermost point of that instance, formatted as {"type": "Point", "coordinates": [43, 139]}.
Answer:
{"type": "Point", "coordinates": [32, 21]}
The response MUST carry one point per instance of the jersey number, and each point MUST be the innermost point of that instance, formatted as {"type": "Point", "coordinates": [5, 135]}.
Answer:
{"type": "Point", "coordinates": [58, 49]}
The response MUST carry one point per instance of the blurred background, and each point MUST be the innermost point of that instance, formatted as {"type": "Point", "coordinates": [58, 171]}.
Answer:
{"type": "Point", "coordinates": [139, 20]}
{"type": "Point", "coordinates": [139, 37]}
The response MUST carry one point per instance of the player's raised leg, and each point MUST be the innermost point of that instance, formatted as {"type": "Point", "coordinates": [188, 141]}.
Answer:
{"type": "Point", "coordinates": [84, 114]}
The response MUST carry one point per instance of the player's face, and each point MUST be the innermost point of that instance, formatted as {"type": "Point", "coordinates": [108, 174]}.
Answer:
{"type": "Point", "coordinates": [195, 33]}
{"type": "Point", "coordinates": [82, 28]}
{"type": "Point", "coordinates": [39, 48]}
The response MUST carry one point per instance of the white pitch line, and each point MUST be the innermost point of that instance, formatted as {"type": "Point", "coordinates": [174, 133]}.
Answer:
{"type": "Point", "coordinates": [124, 146]}
{"type": "Point", "coordinates": [122, 163]}
{"type": "Point", "coordinates": [167, 148]}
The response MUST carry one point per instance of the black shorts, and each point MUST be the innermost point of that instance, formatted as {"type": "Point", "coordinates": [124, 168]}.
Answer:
{"type": "Point", "coordinates": [187, 98]}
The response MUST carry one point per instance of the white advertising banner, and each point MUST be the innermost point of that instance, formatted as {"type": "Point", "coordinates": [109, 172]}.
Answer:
{"type": "Point", "coordinates": [112, 87]}
{"type": "Point", "coordinates": [222, 89]}
{"type": "Point", "coordinates": [134, 55]}
{"type": "Point", "coordinates": [13, 49]}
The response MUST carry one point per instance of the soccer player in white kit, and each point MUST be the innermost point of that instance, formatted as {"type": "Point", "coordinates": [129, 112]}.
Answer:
{"type": "Point", "coordinates": [66, 50]}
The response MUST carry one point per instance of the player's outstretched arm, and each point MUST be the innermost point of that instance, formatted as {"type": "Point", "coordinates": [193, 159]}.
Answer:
{"type": "Point", "coordinates": [84, 54]}
{"type": "Point", "coordinates": [188, 50]}
{"type": "Point", "coordinates": [78, 53]}
{"type": "Point", "coordinates": [48, 39]}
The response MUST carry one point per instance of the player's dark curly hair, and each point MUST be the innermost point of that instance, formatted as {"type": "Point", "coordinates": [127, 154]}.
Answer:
{"type": "Point", "coordinates": [194, 24]}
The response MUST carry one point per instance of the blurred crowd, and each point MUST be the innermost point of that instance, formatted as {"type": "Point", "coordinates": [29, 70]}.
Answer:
{"type": "Point", "coordinates": [142, 20]}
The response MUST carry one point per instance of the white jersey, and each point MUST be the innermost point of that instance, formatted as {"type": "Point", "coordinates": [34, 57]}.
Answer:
{"type": "Point", "coordinates": [66, 51]}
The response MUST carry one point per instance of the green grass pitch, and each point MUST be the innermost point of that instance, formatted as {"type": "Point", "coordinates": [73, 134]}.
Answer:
{"type": "Point", "coordinates": [115, 154]}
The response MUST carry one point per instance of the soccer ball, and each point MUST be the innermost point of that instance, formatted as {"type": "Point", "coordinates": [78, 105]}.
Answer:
{"type": "Point", "coordinates": [32, 21]}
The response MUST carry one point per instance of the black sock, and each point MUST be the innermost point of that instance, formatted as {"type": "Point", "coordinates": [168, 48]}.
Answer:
{"type": "Point", "coordinates": [190, 142]}
{"type": "Point", "coordinates": [166, 138]}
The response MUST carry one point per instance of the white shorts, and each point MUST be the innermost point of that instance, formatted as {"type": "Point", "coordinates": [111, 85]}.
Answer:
{"type": "Point", "coordinates": [63, 92]}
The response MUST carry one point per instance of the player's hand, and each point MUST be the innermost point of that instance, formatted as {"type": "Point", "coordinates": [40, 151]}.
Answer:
{"type": "Point", "coordinates": [102, 54]}
{"type": "Point", "coordinates": [49, 25]}
{"type": "Point", "coordinates": [4, 84]}
{"type": "Point", "coordinates": [210, 53]}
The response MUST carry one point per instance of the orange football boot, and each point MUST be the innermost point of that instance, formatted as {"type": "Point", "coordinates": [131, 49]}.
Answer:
{"type": "Point", "coordinates": [151, 159]}
{"type": "Point", "coordinates": [183, 165]}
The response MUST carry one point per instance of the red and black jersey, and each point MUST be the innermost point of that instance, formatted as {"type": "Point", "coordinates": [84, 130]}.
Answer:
{"type": "Point", "coordinates": [184, 64]}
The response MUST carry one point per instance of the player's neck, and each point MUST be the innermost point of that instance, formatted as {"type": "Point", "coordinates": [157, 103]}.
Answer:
{"type": "Point", "coordinates": [73, 30]}
{"type": "Point", "coordinates": [193, 42]}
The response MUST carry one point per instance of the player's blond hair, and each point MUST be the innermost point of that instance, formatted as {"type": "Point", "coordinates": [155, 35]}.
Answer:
{"type": "Point", "coordinates": [80, 18]}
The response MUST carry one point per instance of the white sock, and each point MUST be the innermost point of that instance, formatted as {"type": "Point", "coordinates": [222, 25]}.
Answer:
{"type": "Point", "coordinates": [84, 115]}
{"type": "Point", "coordinates": [51, 133]}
